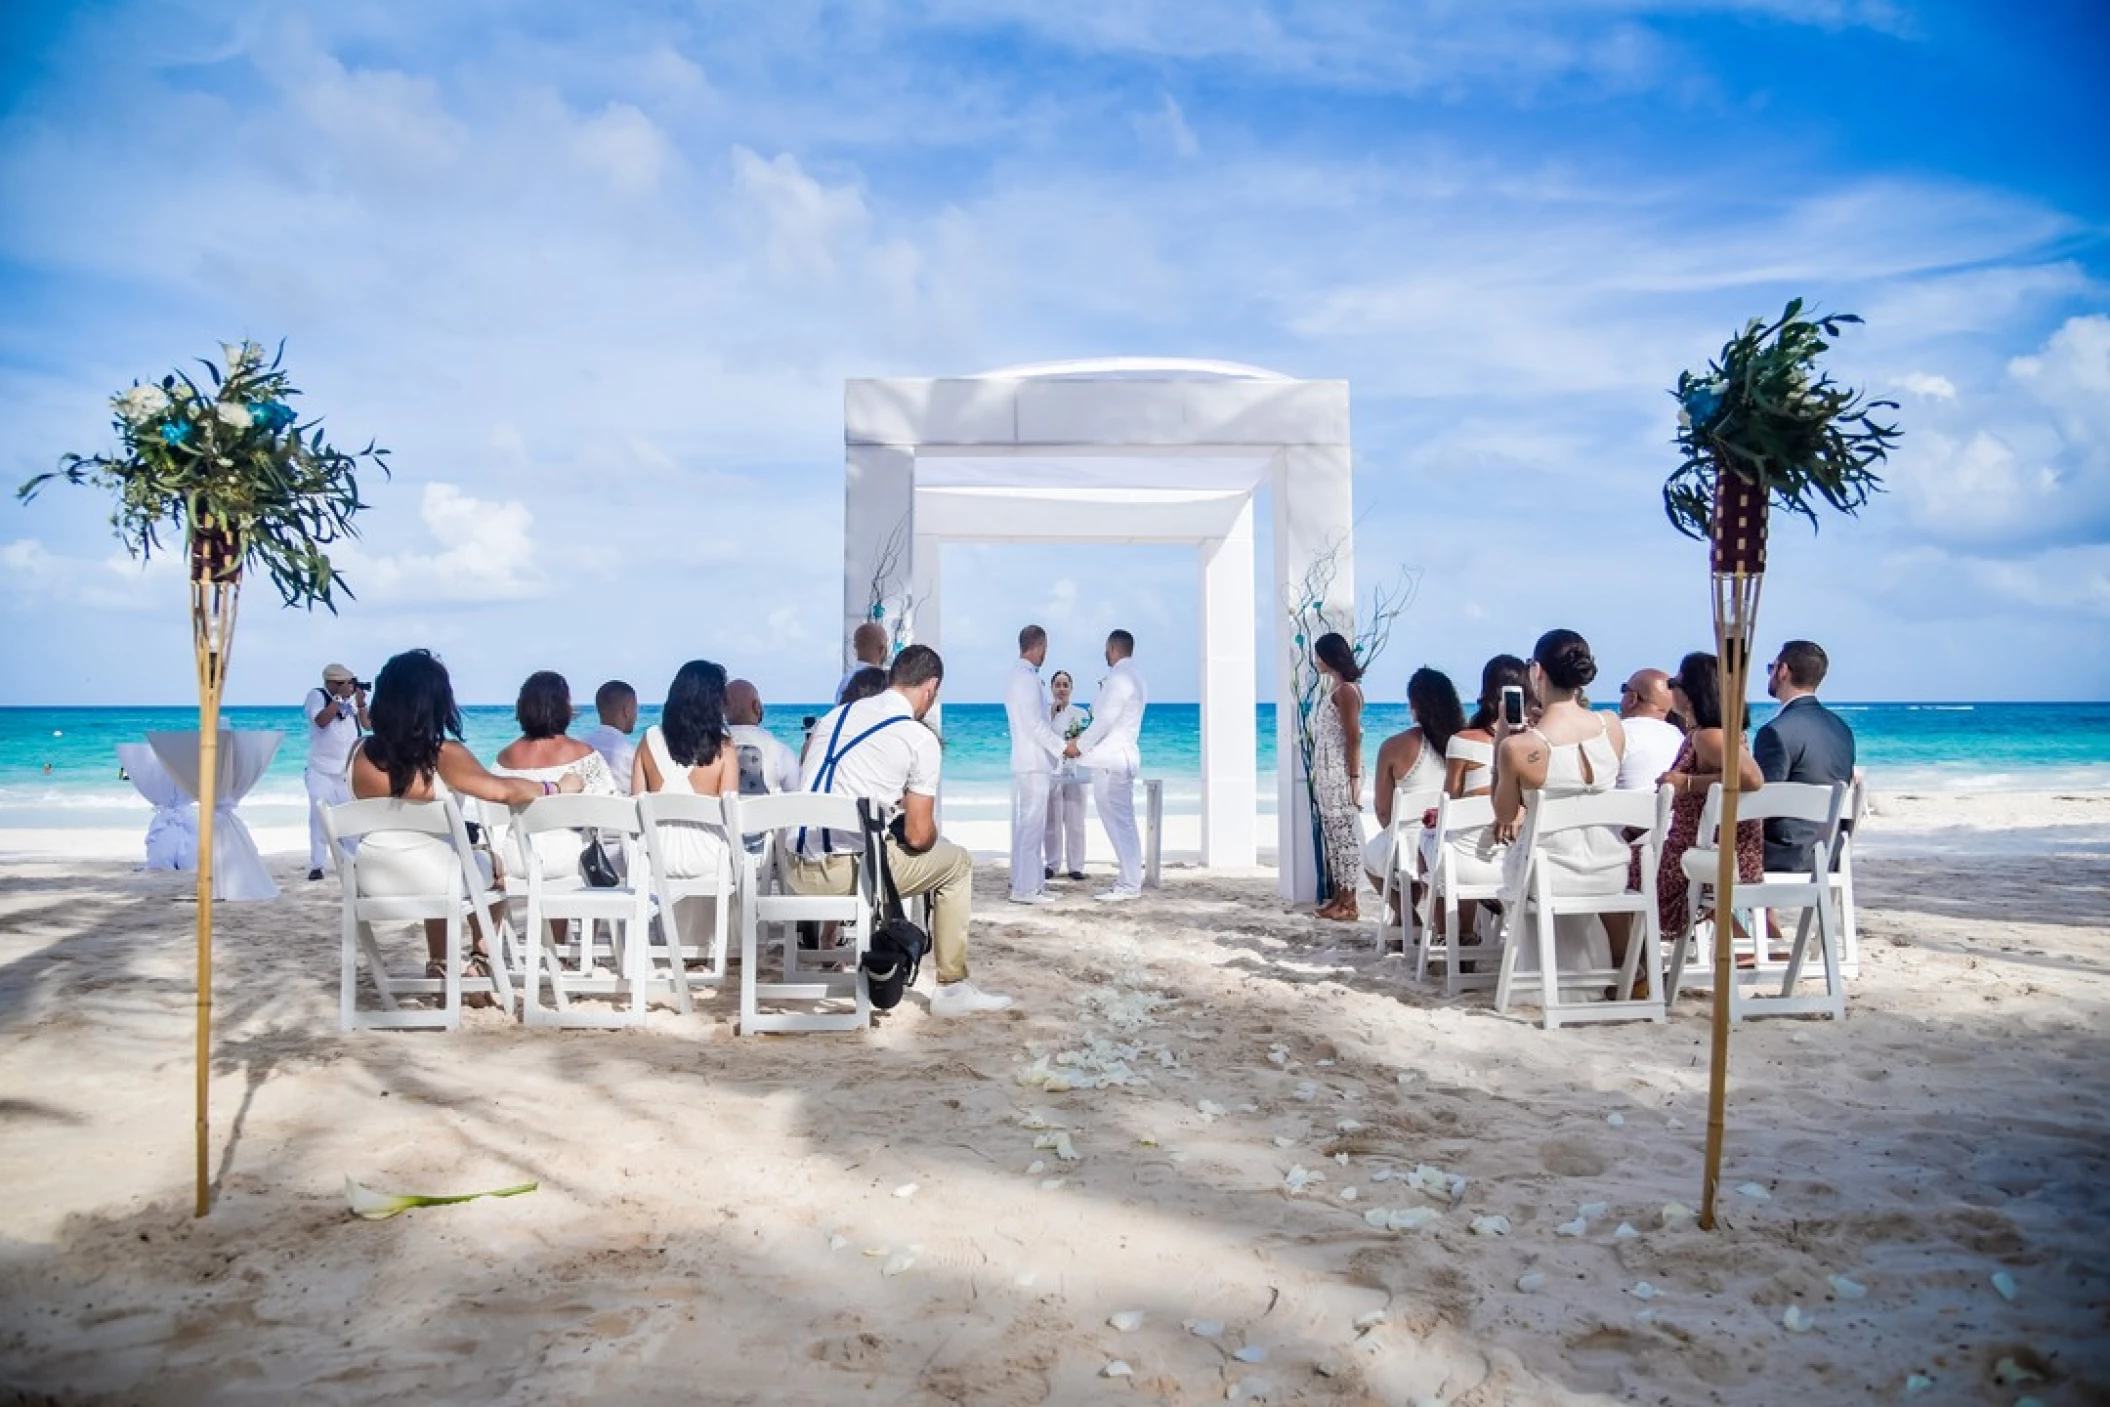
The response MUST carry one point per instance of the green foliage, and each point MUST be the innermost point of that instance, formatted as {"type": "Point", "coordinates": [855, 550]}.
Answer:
{"type": "Point", "coordinates": [232, 466]}
{"type": "Point", "coordinates": [1766, 413]}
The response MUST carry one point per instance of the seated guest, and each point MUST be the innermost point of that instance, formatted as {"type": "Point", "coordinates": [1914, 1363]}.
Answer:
{"type": "Point", "coordinates": [616, 704]}
{"type": "Point", "coordinates": [868, 643]}
{"type": "Point", "coordinates": [690, 751]}
{"type": "Point", "coordinates": [878, 748]}
{"type": "Point", "coordinates": [1804, 742]}
{"type": "Point", "coordinates": [542, 753]}
{"type": "Point", "coordinates": [1469, 771]}
{"type": "Point", "coordinates": [1413, 761]}
{"type": "Point", "coordinates": [1652, 740]}
{"type": "Point", "coordinates": [1569, 750]}
{"type": "Point", "coordinates": [1697, 690]}
{"type": "Point", "coordinates": [767, 765]}
{"type": "Point", "coordinates": [865, 682]}
{"type": "Point", "coordinates": [415, 753]}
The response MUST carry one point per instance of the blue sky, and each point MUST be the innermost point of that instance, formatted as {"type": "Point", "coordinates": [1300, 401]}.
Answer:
{"type": "Point", "coordinates": [597, 279]}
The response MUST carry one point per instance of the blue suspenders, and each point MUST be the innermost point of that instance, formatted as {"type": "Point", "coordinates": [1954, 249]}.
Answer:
{"type": "Point", "coordinates": [824, 776]}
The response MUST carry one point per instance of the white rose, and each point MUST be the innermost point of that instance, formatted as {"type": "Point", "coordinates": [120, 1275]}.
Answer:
{"type": "Point", "coordinates": [240, 354]}
{"type": "Point", "coordinates": [233, 413]}
{"type": "Point", "coordinates": [142, 403]}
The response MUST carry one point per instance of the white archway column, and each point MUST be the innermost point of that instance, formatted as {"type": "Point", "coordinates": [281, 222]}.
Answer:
{"type": "Point", "coordinates": [1313, 520]}
{"type": "Point", "coordinates": [879, 517]}
{"type": "Point", "coordinates": [1229, 732]}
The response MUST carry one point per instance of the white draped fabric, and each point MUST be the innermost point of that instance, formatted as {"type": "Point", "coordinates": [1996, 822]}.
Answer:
{"type": "Point", "coordinates": [172, 836]}
{"type": "Point", "coordinates": [238, 870]}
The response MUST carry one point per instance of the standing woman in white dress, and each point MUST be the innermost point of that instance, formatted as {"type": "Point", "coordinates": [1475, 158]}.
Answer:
{"type": "Point", "coordinates": [1337, 771]}
{"type": "Point", "coordinates": [1064, 845]}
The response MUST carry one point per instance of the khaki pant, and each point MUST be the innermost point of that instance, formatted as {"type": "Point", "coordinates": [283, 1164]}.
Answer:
{"type": "Point", "coordinates": [945, 872]}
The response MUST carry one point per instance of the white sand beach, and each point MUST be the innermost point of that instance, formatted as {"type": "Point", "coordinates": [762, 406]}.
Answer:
{"type": "Point", "coordinates": [822, 1218]}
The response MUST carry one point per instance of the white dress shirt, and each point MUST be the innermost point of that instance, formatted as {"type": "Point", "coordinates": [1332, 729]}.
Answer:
{"type": "Point", "coordinates": [780, 765]}
{"type": "Point", "coordinates": [1114, 741]}
{"type": "Point", "coordinates": [1035, 745]}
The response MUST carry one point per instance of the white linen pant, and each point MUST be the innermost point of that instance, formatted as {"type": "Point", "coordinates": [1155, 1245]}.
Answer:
{"type": "Point", "coordinates": [1029, 828]}
{"type": "Point", "coordinates": [324, 789]}
{"type": "Point", "coordinates": [1115, 794]}
{"type": "Point", "coordinates": [1065, 839]}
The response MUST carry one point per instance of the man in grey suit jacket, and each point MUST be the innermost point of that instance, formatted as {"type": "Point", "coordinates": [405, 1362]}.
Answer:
{"type": "Point", "coordinates": [1804, 742]}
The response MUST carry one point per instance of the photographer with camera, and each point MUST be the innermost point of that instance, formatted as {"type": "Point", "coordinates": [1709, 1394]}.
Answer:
{"type": "Point", "coordinates": [336, 715]}
{"type": "Point", "coordinates": [878, 748]}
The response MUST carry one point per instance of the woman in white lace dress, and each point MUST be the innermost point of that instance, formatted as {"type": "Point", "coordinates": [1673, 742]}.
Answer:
{"type": "Point", "coordinates": [544, 753]}
{"type": "Point", "coordinates": [1337, 771]}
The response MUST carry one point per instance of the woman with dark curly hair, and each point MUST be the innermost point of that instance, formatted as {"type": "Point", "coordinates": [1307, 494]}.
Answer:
{"type": "Point", "coordinates": [415, 753]}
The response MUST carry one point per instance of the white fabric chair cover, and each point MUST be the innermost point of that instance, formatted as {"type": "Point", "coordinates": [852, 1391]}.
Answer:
{"type": "Point", "coordinates": [238, 870]}
{"type": "Point", "coordinates": [172, 835]}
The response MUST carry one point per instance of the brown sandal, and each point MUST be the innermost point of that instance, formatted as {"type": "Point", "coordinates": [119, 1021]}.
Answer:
{"type": "Point", "coordinates": [473, 965]}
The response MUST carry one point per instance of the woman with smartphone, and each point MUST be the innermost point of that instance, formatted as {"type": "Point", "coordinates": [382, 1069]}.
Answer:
{"type": "Point", "coordinates": [1568, 750]}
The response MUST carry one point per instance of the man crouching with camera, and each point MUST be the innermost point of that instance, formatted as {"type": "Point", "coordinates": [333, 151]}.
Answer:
{"type": "Point", "coordinates": [879, 749]}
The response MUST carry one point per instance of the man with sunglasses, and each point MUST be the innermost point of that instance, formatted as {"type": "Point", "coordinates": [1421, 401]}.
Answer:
{"type": "Point", "coordinates": [1652, 739]}
{"type": "Point", "coordinates": [1804, 742]}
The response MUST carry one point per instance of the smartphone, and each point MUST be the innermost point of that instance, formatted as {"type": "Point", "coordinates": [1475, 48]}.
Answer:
{"type": "Point", "coordinates": [1513, 705]}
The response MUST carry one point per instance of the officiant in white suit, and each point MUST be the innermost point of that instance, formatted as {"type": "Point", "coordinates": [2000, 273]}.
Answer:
{"type": "Point", "coordinates": [1111, 749]}
{"type": "Point", "coordinates": [1036, 753]}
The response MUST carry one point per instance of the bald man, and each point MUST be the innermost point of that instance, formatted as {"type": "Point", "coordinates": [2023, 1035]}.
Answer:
{"type": "Point", "coordinates": [1652, 740]}
{"type": "Point", "coordinates": [869, 643]}
{"type": "Point", "coordinates": [767, 765]}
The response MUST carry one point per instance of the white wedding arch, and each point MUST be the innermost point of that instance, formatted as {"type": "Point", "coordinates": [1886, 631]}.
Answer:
{"type": "Point", "coordinates": [1119, 450]}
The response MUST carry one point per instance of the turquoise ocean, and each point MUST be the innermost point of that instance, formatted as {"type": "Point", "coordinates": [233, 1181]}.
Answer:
{"type": "Point", "coordinates": [1903, 747]}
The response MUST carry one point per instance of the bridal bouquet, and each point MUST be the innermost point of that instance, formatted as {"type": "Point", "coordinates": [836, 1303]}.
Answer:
{"type": "Point", "coordinates": [1082, 721]}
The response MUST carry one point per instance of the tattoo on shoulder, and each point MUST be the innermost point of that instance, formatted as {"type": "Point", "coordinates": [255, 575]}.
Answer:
{"type": "Point", "coordinates": [1533, 755]}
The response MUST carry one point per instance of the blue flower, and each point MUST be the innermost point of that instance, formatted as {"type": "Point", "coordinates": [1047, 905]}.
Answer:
{"type": "Point", "coordinates": [175, 432]}
{"type": "Point", "coordinates": [274, 416]}
{"type": "Point", "coordinates": [1701, 400]}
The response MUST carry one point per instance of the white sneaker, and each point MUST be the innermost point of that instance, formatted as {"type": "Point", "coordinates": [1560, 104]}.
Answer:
{"type": "Point", "coordinates": [1039, 897]}
{"type": "Point", "coordinates": [1117, 896]}
{"type": "Point", "coordinates": [963, 998]}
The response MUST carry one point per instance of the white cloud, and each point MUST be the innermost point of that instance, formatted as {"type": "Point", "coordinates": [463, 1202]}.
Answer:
{"type": "Point", "coordinates": [1927, 386]}
{"type": "Point", "coordinates": [1167, 129]}
{"type": "Point", "coordinates": [627, 148]}
{"type": "Point", "coordinates": [486, 552]}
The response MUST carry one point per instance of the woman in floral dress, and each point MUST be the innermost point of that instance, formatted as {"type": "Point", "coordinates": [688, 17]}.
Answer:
{"type": "Point", "coordinates": [1337, 771]}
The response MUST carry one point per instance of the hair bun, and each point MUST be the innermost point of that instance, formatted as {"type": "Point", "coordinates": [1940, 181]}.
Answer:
{"type": "Point", "coordinates": [1577, 663]}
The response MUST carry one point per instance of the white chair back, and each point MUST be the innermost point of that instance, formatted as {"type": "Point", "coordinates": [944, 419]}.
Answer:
{"type": "Point", "coordinates": [1448, 889]}
{"type": "Point", "coordinates": [663, 815]}
{"type": "Point", "coordinates": [1814, 895]}
{"type": "Point", "coordinates": [557, 900]}
{"type": "Point", "coordinates": [464, 897]}
{"type": "Point", "coordinates": [1408, 807]}
{"type": "Point", "coordinates": [780, 819]}
{"type": "Point", "coordinates": [1541, 900]}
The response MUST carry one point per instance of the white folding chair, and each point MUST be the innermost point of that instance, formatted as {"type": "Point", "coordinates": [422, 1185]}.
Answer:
{"type": "Point", "coordinates": [464, 895]}
{"type": "Point", "coordinates": [662, 814]}
{"type": "Point", "coordinates": [625, 908]}
{"type": "Point", "coordinates": [1842, 878]}
{"type": "Point", "coordinates": [1408, 807]}
{"type": "Point", "coordinates": [1811, 894]}
{"type": "Point", "coordinates": [1530, 915]}
{"type": "Point", "coordinates": [1447, 891]}
{"type": "Point", "coordinates": [766, 897]}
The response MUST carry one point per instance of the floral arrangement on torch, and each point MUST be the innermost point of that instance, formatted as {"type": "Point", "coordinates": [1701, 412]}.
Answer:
{"type": "Point", "coordinates": [1765, 425]}
{"type": "Point", "coordinates": [232, 464]}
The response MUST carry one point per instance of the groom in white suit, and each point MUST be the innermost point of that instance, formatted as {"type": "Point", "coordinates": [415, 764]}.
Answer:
{"type": "Point", "coordinates": [1112, 750]}
{"type": "Point", "coordinates": [1036, 751]}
